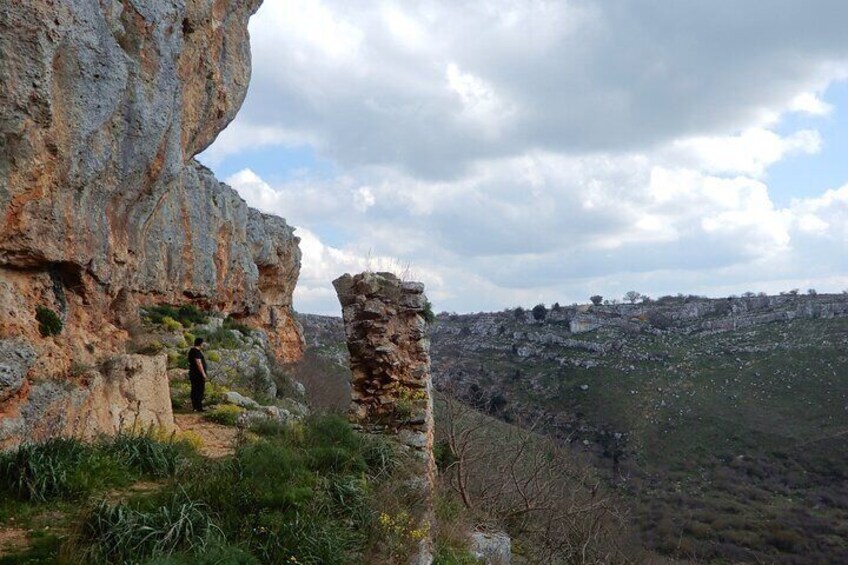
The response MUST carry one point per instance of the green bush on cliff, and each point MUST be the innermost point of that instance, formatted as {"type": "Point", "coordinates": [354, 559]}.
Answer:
{"type": "Point", "coordinates": [187, 314]}
{"type": "Point", "coordinates": [49, 322]}
{"type": "Point", "coordinates": [231, 323]}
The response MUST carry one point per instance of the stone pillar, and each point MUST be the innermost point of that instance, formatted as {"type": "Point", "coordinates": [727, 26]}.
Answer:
{"type": "Point", "coordinates": [391, 388]}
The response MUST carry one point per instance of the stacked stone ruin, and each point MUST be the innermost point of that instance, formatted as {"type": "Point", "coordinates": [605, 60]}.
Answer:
{"type": "Point", "coordinates": [391, 387]}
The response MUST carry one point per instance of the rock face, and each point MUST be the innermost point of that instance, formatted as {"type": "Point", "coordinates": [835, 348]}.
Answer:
{"type": "Point", "coordinates": [130, 392]}
{"type": "Point", "coordinates": [102, 206]}
{"type": "Point", "coordinates": [391, 387]}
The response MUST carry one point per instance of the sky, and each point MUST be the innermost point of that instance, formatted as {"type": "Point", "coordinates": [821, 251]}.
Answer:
{"type": "Point", "coordinates": [512, 153]}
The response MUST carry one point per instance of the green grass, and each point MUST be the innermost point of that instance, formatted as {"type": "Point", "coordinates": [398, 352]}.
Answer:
{"type": "Point", "coordinates": [307, 494]}
{"type": "Point", "coordinates": [123, 533]}
{"type": "Point", "coordinates": [68, 469]}
{"type": "Point", "coordinates": [225, 414]}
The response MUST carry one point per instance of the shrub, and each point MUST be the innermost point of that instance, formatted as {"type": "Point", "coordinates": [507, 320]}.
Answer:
{"type": "Point", "coordinates": [177, 360]}
{"type": "Point", "coordinates": [189, 314]}
{"type": "Point", "coordinates": [171, 324]}
{"type": "Point", "coordinates": [428, 314]}
{"type": "Point", "coordinates": [231, 323]}
{"type": "Point", "coordinates": [49, 322]}
{"type": "Point", "coordinates": [221, 338]}
{"type": "Point", "coordinates": [214, 356]}
{"type": "Point", "coordinates": [186, 315]}
{"type": "Point", "coordinates": [539, 312]}
{"type": "Point", "coordinates": [597, 299]}
{"type": "Point", "coordinates": [225, 414]}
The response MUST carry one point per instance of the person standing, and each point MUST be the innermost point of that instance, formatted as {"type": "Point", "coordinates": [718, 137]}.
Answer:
{"type": "Point", "coordinates": [197, 374]}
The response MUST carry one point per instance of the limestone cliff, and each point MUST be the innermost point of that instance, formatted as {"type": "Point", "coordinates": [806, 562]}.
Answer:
{"type": "Point", "coordinates": [104, 105]}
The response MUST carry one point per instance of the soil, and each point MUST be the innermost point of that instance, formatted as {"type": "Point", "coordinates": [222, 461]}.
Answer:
{"type": "Point", "coordinates": [218, 441]}
{"type": "Point", "coordinates": [13, 541]}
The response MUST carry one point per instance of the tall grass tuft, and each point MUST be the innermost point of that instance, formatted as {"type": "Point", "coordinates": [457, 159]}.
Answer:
{"type": "Point", "coordinates": [67, 468]}
{"type": "Point", "coordinates": [60, 468]}
{"type": "Point", "coordinates": [123, 534]}
{"type": "Point", "coordinates": [146, 455]}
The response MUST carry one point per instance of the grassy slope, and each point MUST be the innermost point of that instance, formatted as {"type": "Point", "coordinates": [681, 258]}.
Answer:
{"type": "Point", "coordinates": [734, 443]}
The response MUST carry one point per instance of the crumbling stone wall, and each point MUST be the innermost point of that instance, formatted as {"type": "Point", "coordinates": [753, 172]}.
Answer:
{"type": "Point", "coordinates": [391, 388]}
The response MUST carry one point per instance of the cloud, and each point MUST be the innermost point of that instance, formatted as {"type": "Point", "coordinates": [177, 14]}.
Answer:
{"type": "Point", "coordinates": [547, 150]}
{"type": "Point", "coordinates": [401, 84]}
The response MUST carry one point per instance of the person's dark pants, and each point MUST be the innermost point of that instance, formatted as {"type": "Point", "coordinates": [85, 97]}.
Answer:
{"type": "Point", "coordinates": [198, 387]}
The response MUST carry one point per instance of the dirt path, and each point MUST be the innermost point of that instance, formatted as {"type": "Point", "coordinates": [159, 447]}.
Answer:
{"type": "Point", "coordinates": [218, 441]}
{"type": "Point", "coordinates": [13, 541]}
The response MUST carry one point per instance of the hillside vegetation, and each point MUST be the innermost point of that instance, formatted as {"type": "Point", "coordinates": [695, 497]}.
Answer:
{"type": "Point", "coordinates": [730, 443]}
{"type": "Point", "coordinates": [721, 424]}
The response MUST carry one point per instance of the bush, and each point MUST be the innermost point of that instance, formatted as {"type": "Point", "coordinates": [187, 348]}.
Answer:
{"type": "Point", "coordinates": [49, 322]}
{"type": "Point", "coordinates": [221, 338]}
{"type": "Point", "coordinates": [539, 312]}
{"type": "Point", "coordinates": [428, 314]}
{"type": "Point", "coordinates": [186, 315]}
{"type": "Point", "coordinates": [597, 299]}
{"type": "Point", "coordinates": [171, 324]}
{"type": "Point", "coordinates": [231, 323]}
{"type": "Point", "coordinates": [225, 414]}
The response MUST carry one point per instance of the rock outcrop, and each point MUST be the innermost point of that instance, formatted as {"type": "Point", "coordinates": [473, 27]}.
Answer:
{"type": "Point", "coordinates": [129, 392]}
{"type": "Point", "coordinates": [391, 386]}
{"type": "Point", "coordinates": [102, 205]}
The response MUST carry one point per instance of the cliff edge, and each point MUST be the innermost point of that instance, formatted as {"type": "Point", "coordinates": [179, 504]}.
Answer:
{"type": "Point", "coordinates": [104, 209]}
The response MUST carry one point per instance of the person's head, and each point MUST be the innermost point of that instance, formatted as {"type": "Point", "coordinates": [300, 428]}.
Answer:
{"type": "Point", "coordinates": [198, 342]}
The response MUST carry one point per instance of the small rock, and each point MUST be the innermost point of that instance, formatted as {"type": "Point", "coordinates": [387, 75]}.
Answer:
{"type": "Point", "coordinates": [232, 397]}
{"type": "Point", "coordinates": [493, 548]}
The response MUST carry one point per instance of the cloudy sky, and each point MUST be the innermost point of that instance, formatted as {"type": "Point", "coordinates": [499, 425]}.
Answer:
{"type": "Point", "coordinates": [512, 152]}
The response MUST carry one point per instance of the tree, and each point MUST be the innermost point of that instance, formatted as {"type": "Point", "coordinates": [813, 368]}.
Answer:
{"type": "Point", "coordinates": [597, 299]}
{"type": "Point", "coordinates": [556, 307]}
{"type": "Point", "coordinates": [812, 292]}
{"type": "Point", "coordinates": [556, 506]}
{"type": "Point", "coordinates": [632, 296]}
{"type": "Point", "coordinates": [518, 313]}
{"type": "Point", "coordinates": [539, 312]}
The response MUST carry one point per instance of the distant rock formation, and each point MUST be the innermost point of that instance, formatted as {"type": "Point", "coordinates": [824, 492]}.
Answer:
{"type": "Point", "coordinates": [390, 364]}
{"type": "Point", "coordinates": [102, 206]}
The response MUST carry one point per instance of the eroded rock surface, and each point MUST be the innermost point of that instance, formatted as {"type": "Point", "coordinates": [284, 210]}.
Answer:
{"type": "Point", "coordinates": [103, 208]}
{"type": "Point", "coordinates": [129, 392]}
